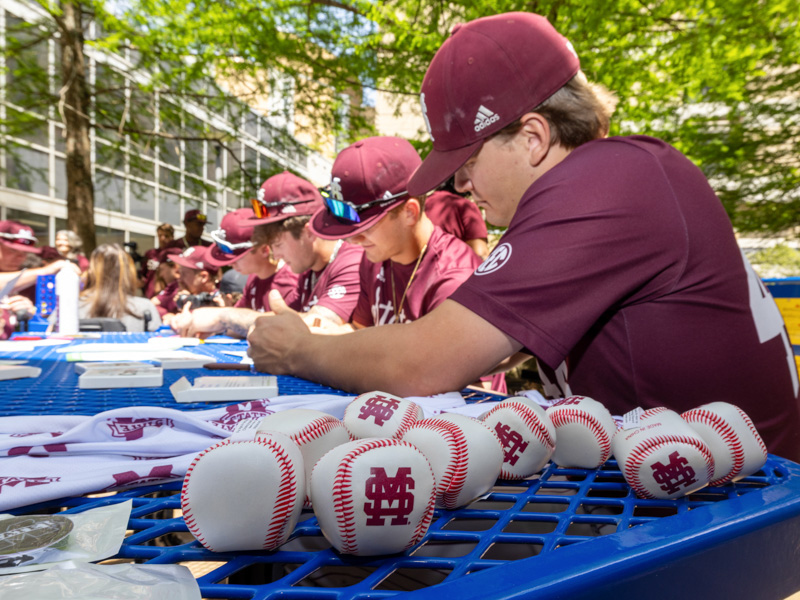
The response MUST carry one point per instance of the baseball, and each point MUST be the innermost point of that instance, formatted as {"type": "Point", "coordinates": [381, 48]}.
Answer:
{"type": "Point", "coordinates": [465, 454]}
{"type": "Point", "coordinates": [664, 457]}
{"type": "Point", "coordinates": [244, 495]}
{"type": "Point", "coordinates": [314, 431]}
{"type": "Point", "coordinates": [378, 414]}
{"type": "Point", "coordinates": [373, 496]}
{"type": "Point", "coordinates": [526, 433]}
{"type": "Point", "coordinates": [584, 428]}
{"type": "Point", "coordinates": [736, 446]}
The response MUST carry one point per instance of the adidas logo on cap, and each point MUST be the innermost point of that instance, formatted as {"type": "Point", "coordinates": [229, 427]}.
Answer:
{"type": "Point", "coordinates": [484, 118]}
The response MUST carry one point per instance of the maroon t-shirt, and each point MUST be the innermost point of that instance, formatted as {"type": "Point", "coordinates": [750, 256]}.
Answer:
{"type": "Point", "coordinates": [256, 290]}
{"type": "Point", "coordinates": [166, 299]}
{"type": "Point", "coordinates": [336, 287]}
{"type": "Point", "coordinates": [446, 264]}
{"type": "Point", "coordinates": [621, 261]}
{"type": "Point", "coordinates": [148, 273]}
{"type": "Point", "coordinates": [456, 215]}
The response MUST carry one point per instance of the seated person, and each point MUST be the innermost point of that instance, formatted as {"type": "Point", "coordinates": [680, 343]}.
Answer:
{"type": "Point", "coordinates": [460, 217]}
{"type": "Point", "coordinates": [17, 244]}
{"type": "Point", "coordinates": [111, 288]}
{"type": "Point", "coordinates": [328, 284]}
{"type": "Point", "coordinates": [167, 272]}
{"type": "Point", "coordinates": [410, 266]}
{"type": "Point", "coordinates": [151, 285]}
{"type": "Point", "coordinates": [233, 247]}
{"type": "Point", "coordinates": [198, 280]}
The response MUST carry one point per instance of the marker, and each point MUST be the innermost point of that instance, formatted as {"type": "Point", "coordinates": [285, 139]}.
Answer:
{"type": "Point", "coordinates": [227, 367]}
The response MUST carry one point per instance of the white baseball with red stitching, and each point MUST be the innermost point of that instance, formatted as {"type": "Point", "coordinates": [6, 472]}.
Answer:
{"type": "Point", "coordinates": [314, 431]}
{"type": "Point", "coordinates": [244, 495]}
{"type": "Point", "coordinates": [373, 496]}
{"type": "Point", "coordinates": [465, 454]}
{"type": "Point", "coordinates": [664, 457]}
{"type": "Point", "coordinates": [736, 446]}
{"type": "Point", "coordinates": [378, 414]}
{"type": "Point", "coordinates": [526, 433]}
{"type": "Point", "coordinates": [584, 429]}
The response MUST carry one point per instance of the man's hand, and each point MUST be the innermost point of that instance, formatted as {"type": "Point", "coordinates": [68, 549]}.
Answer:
{"type": "Point", "coordinates": [200, 322]}
{"type": "Point", "coordinates": [274, 339]}
{"type": "Point", "coordinates": [18, 303]}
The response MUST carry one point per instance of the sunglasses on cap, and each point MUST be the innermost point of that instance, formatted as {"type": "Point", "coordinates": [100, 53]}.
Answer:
{"type": "Point", "coordinates": [349, 212]}
{"type": "Point", "coordinates": [265, 210]}
{"type": "Point", "coordinates": [21, 237]}
{"type": "Point", "coordinates": [225, 246]}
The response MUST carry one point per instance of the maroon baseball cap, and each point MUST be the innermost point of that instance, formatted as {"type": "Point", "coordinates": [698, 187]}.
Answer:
{"type": "Point", "coordinates": [371, 170]}
{"type": "Point", "coordinates": [195, 215]}
{"type": "Point", "coordinates": [232, 239]}
{"type": "Point", "coordinates": [195, 257]}
{"type": "Point", "coordinates": [169, 251]}
{"type": "Point", "coordinates": [487, 74]}
{"type": "Point", "coordinates": [17, 236]}
{"type": "Point", "coordinates": [283, 196]}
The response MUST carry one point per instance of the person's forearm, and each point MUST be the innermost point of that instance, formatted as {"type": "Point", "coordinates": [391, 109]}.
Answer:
{"type": "Point", "coordinates": [27, 278]}
{"type": "Point", "coordinates": [238, 321]}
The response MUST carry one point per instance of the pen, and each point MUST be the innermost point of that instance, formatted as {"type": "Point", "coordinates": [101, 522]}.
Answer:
{"type": "Point", "coordinates": [227, 367]}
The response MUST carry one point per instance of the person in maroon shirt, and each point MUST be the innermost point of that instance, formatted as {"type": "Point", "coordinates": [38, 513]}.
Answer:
{"type": "Point", "coordinates": [168, 271]}
{"type": "Point", "coordinates": [194, 221]}
{"type": "Point", "coordinates": [198, 280]}
{"type": "Point", "coordinates": [619, 265]}
{"type": "Point", "coordinates": [410, 266]}
{"type": "Point", "coordinates": [460, 217]}
{"type": "Point", "coordinates": [328, 283]}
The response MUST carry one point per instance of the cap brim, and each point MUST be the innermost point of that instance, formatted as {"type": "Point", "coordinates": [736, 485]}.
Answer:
{"type": "Point", "coordinates": [21, 247]}
{"type": "Point", "coordinates": [190, 264]}
{"type": "Point", "coordinates": [218, 258]}
{"type": "Point", "coordinates": [438, 167]}
{"type": "Point", "coordinates": [326, 226]}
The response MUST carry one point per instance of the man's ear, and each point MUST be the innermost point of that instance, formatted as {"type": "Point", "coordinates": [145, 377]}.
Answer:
{"type": "Point", "coordinates": [536, 130]}
{"type": "Point", "coordinates": [412, 211]}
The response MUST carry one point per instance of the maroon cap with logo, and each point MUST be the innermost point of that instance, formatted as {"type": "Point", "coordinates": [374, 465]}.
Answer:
{"type": "Point", "coordinates": [195, 257]}
{"type": "Point", "coordinates": [195, 215]}
{"type": "Point", "coordinates": [232, 239]}
{"type": "Point", "coordinates": [363, 173]}
{"type": "Point", "coordinates": [166, 253]}
{"type": "Point", "coordinates": [283, 196]}
{"type": "Point", "coordinates": [17, 236]}
{"type": "Point", "coordinates": [487, 74]}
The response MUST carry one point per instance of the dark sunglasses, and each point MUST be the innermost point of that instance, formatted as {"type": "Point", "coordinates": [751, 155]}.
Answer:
{"type": "Point", "coordinates": [265, 210]}
{"type": "Point", "coordinates": [349, 212]}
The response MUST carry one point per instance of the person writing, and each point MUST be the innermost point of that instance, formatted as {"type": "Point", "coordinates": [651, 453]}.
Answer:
{"type": "Point", "coordinates": [619, 265]}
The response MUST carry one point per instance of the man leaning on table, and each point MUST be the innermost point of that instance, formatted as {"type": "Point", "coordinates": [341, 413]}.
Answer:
{"type": "Point", "coordinates": [619, 260]}
{"type": "Point", "coordinates": [327, 288]}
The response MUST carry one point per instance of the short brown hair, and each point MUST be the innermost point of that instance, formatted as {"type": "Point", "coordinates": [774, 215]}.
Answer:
{"type": "Point", "coordinates": [166, 228]}
{"type": "Point", "coordinates": [266, 234]}
{"type": "Point", "coordinates": [579, 112]}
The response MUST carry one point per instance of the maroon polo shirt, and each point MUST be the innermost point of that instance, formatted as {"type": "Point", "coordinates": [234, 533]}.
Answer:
{"type": "Point", "coordinates": [256, 290]}
{"type": "Point", "coordinates": [336, 287]}
{"type": "Point", "coordinates": [621, 262]}
{"type": "Point", "coordinates": [456, 215]}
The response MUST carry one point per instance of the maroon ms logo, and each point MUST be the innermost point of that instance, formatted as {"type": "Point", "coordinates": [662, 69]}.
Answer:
{"type": "Point", "coordinates": [379, 407]}
{"type": "Point", "coordinates": [26, 481]}
{"type": "Point", "coordinates": [133, 429]}
{"type": "Point", "coordinates": [512, 443]}
{"type": "Point", "coordinates": [389, 496]}
{"type": "Point", "coordinates": [674, 475]}
{"type": "Point", "coordinates": [132, 478]}
{"type": "Point", "coordinates": [571, 401]}
{"type": "Point", "coordinates": [241, 412]}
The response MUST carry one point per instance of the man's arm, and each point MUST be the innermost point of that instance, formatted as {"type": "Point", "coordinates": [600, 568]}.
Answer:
{"type": "Point", "coordinates": [210, 320]}
{"type": "Point", "coordinates": [445, 350]}
{"type": "Point", "coordinates": [29, 276]}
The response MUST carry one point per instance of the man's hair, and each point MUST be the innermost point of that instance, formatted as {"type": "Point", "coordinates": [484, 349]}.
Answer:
{"type": "Point", "coordinates": [266, 234]}
{"type": "Point", "coordinates": [166, 228]}
{"type": "Point", "coordinates": [579, 112]}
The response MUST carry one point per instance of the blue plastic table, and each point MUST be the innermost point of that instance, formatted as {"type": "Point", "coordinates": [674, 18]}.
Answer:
{"type": "Point", "coordinates": [566, 533]}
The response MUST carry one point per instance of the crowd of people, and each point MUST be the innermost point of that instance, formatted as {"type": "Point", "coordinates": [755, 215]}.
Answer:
{"type": "Point", "coordinates": [619, 270]}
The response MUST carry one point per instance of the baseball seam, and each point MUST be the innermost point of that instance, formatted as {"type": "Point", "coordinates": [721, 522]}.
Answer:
{"type": "Point", "coordinates": [455, 476]}
{"type": "Point", "coordinates": [408, 419]}
{"type": "Point", "coordinates": [751, 426]}
{"type": "Point", "coordinates": [571, 416]}
{"type": "Point", "coordinates": [286, 495]}
{"type": "Point", "coordinates": [727, 435]}
{"type": "Point", "coordinates": [638, 455]}
{"type": "Point", "coordinates": [316, 429]}
{"type": "Point", "coordinates": [186, 507]}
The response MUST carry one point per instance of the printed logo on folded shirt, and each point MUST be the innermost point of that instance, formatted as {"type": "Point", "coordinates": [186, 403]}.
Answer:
{"type": "Point", "coordinates": [133, 429]}
{"type": "Point", "coordinates": [26, 481]}
{"type": "Point", "coordinates": [496, 260]}
{"type": "Point", "coordinates": [132, 478]}
{"type": "Point", "coordinates": [242, 412]}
